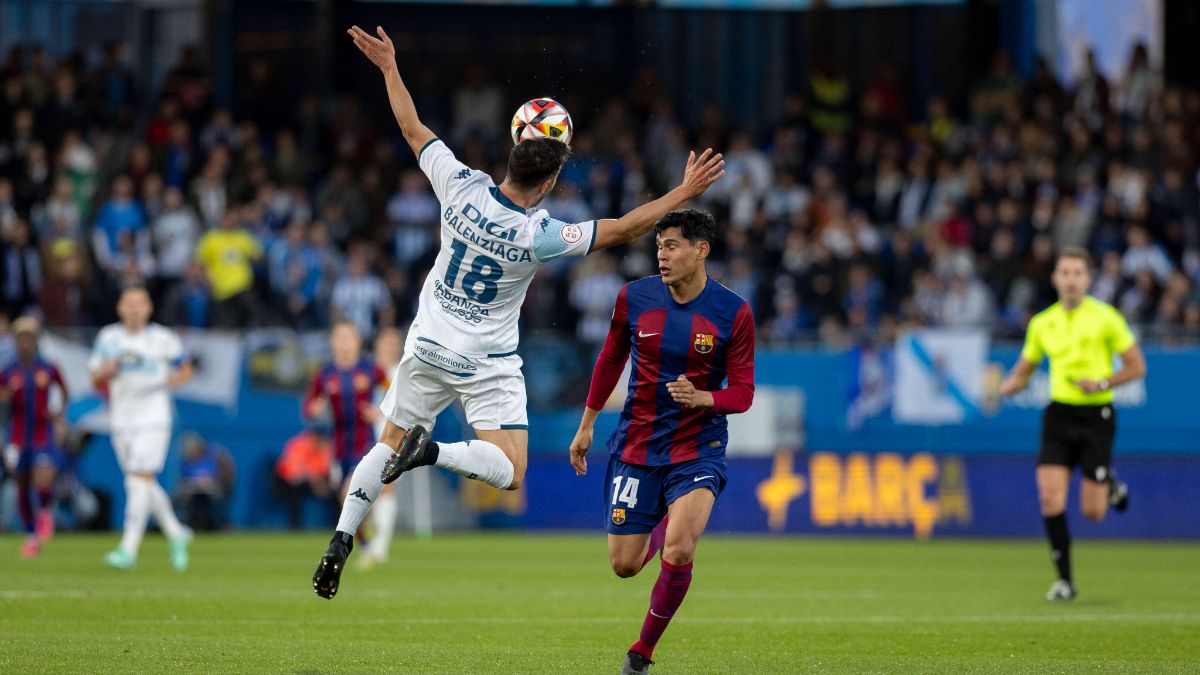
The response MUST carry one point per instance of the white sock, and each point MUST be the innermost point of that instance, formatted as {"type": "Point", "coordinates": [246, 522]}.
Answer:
{"type": "Point", "coordinates": [384, 515]}
{"type": "Point", "coordinates": [137, 512]}
{"type": "Point", "coordinates": [164, 512]}
{"type": "Point", "coordinates": [364, 488]}
{"type": "Point", "coordinates": [478, 460]}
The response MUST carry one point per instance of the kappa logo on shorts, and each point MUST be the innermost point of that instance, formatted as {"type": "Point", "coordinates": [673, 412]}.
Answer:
{"type": "Point", "coordinates": [618, 516]}
{"type": "Point", "coordinates": [704, 342]}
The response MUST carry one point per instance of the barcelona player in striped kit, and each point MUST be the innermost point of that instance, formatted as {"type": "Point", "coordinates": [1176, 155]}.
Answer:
{"type": "Point", "coordinates": [688, 336]}
{"type": "Point", "coordinates": [26, 385]}
{"type": "Point", "coordinates": [345, 386]}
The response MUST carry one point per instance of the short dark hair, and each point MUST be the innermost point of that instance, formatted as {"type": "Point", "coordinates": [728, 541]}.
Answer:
{"type": "Point", "coordinates": [1077, 253]}
{"type": "Point", "coordinates": [534, 160]}
{"type": "Point", "coordinates": [695, 225]}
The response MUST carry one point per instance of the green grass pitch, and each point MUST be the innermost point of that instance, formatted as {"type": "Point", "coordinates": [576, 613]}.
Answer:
{"type": "Point", "coordinates": [548, 603]}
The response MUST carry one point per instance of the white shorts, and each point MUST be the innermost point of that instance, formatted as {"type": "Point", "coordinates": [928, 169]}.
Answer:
{"type": "Point", "coordinates": [431, 377]}
{"type": "Point", "coordinates": [141, 450]}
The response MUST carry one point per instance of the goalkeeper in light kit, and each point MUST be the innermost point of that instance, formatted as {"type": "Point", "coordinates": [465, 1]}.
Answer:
{"type": "Point", "coordinates": [687, 335]}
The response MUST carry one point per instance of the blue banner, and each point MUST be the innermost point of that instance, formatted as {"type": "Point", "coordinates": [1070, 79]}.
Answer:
{"type": "Point", "coordinates": [922, 495]}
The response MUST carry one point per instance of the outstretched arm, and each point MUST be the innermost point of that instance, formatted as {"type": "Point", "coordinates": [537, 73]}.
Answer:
{"type": "Point", "coordinates": [382, 53]}
{"type": "Point", "coordinates": [700, 173]}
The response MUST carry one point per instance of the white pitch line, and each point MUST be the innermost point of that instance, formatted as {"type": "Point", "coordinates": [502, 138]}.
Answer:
{"type": "Point", "coordinates": [998, 618]}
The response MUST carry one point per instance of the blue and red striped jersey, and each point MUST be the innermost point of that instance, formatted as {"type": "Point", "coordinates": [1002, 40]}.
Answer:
{"type": "Point", "coordinates": [28, 389]}
{"type": "Point", "coordinates": [349, 391]}
{"type": "Point", "coordinates": [709, 339]}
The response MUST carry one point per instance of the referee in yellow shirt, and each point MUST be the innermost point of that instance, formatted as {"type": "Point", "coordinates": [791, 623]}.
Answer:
{"type": "Point", "coordinates": [1080, 335]}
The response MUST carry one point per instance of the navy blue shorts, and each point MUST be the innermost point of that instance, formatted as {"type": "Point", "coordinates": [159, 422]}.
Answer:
{"type": "Point", "coordinates": [49, 455]}
{"type": "Point", "coordinates": [636, 497]}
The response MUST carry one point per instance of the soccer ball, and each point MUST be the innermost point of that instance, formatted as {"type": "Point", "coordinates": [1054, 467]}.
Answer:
{"type": "Point", "coordinates": [542, 118]}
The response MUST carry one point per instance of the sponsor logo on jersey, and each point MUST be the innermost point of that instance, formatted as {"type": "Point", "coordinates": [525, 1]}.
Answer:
{"type": "Point", "coordinates": [362, 382]}
{"type": "Point", "coordinates": [618, 516]}
{"type": "Point", "coordinates": [460, 308]}
{"type": "Point", "coordinates": [498, 246]}
{"type": "Point", "coordinates": [571, 233]}
{"type": "Point", "coordinates": [704, 342]}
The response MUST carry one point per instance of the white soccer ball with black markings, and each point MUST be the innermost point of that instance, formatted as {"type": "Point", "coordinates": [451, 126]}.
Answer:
{"type": "Point", "coordinates": [542, 118]}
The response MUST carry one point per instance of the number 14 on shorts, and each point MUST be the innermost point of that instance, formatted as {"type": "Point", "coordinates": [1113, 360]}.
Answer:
{"type": "Point", "coordinates": [626, 495]}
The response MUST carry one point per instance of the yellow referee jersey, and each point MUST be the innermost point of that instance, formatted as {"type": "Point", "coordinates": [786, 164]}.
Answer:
{"type": "Point", "coordinates": [1080, 345]}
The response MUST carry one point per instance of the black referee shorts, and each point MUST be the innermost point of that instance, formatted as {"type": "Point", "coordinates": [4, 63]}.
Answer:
{"type": "Point", "coordinates": [1079, 435]}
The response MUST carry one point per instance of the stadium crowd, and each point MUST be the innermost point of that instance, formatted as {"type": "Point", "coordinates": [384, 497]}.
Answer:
{"type": "Point", "coordinates": [844, 217]}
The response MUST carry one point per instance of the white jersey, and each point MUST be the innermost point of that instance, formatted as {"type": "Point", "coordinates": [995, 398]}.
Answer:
{"type": "Point", "coordinates": [138, 396]}
{"type": "Point", "coordinates": [490, 249]}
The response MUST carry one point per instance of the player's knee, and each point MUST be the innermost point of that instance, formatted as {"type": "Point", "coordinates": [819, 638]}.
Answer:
{"type": "Point", "coordinates": [1095, 513]}
{"type": "Point", "coordinates": [518, 478]}
{"type": "Point", "coordinates": [679, 554]}
{"type": "Point", "coordinates": [625, 568]}
{"type": "Point", "coordinates": [1052, 504]}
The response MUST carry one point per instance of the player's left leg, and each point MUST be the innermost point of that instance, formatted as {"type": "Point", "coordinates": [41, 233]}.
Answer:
{"type": "Point", "coordinates": [23, 477]}
{"type": "Point", "coordinates": [691, 490]}
{"type": "Point", "coordinates": [383, 518]}
{"type": "Point", "coordinates": [494, 401]}
{"type": "Point", "coordinates": [45, 473]}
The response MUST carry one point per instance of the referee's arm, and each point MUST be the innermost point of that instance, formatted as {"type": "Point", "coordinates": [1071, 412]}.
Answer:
{"type": "Point", "coordinates": [1133, 367]}
{"type": "Point", "coordinates": [1018, 377]}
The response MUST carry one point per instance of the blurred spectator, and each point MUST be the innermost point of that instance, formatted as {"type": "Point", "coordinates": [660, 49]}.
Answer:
{"type": "Point", "coordinates": [22, 270]}
{"type": "Point", "coordinates": [595, 288]}
{"type": "Point", "coordinates": [188, 302]}
{"type": "Point", "coordinates": [306, 468]}
{"type": "Point", "coordinates": [228, 254]}
{"type": "Point", "coordinates": [68, 298]}
{"type": "Point", "coordinates": [120, 214]}
{"type": "Point", "coordinates": [1144, 255]}
{"type": "Point", "coordinates": [361, 297]}
{"type": "Point", "coordinates": [206, 475]}
{"type": "Point", "coordinates": [174, 234]}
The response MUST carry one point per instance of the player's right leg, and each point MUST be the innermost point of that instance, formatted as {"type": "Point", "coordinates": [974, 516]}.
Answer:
{"type": "Point", "coordinates": [1053, 483]}
{"type": "Point", "coordinates": [45, 473]}
{"type": "Point", "coordinates": [23, 478]}
{"type": "Point", "coordinates": [1056, 458]}
{"type": "Point", "coordinates": [413, 401]}
{"type": "Point", "coordinates": [494, 400]}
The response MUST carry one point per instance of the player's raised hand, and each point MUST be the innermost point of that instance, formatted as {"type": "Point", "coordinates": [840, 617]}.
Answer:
{"type": "Point", "coordinates": [380, 50]}
{"type": "Point", "coordinates": [579, 448]}
{"type": "Point", "coordinates": [687, 395]}
{"type": "Point", "coordinates": [701, 172]}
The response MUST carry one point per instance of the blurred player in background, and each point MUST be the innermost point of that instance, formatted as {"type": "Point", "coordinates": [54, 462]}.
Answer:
{"type": "Point", "coordinates": [1080, 335]}
{"type": "Point", "coordinates": [463, 343]}
{"type": "Point", "coordinates": [35, 430]}
{"type": "Point", "coordinates": [344, 387]}
{"type": "Point", "coordinates": [140, 363]}
{"type": "Point", "coordinates": [389, 347]}
{"type": "Point", "coordinates": [687, 335]}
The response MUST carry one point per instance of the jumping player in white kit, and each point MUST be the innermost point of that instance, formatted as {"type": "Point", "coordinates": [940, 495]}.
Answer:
{"type": "Point", "coordinates": [140, 363]}
{"type": "Point", "coordinates": [462, 345]}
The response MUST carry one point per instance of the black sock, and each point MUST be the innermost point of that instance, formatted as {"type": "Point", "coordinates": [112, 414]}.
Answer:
{"type": "Point", "coordinates": [432, 452]}
{"type": "Point", "coordinates": [1060, 544]}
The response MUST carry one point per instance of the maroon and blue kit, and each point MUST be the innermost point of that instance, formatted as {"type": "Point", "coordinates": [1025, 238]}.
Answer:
{"type": "Point", "coordinates": [660, 450]}
{"type": "Point", "coordinates": [31, 428]}
{"type": "Point", "coordinates": [349, 391]}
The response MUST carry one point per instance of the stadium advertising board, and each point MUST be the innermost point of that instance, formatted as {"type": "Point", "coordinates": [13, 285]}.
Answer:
{"type": "Point", "coordinates": [922, 495]}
